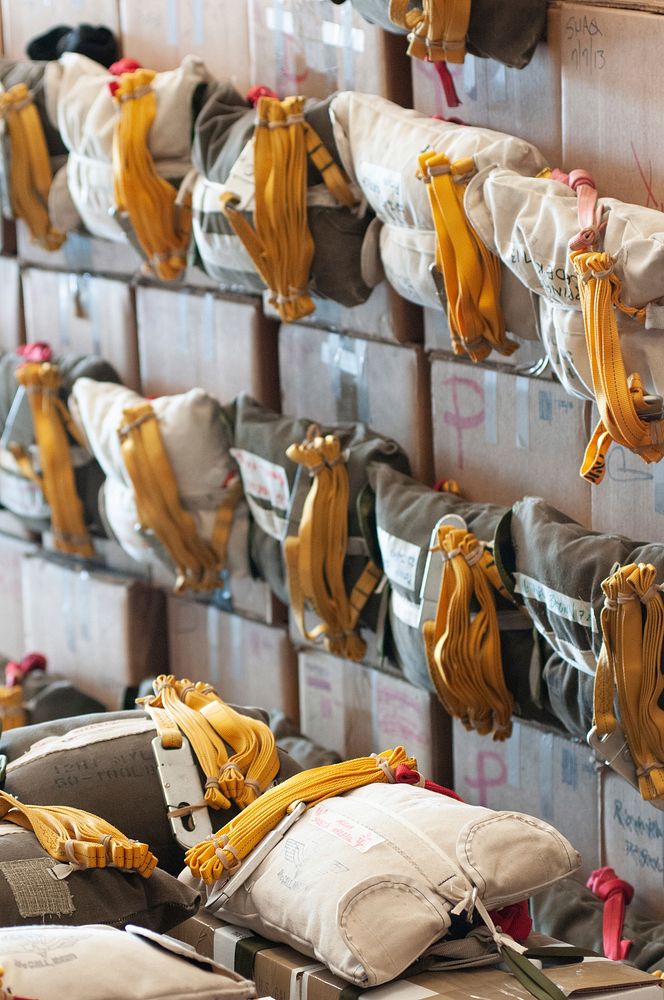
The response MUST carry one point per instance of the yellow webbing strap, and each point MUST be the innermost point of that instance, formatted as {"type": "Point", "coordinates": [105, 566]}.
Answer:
{"type": "Point", "coordinates": [162, 227]}
{"type": "Point", "coordinates": [630, 665]}
{"type": "Point", "coordinates": [471, 272]}
{"type": "Point", "coordinates": [621, 401]}
{"type": "Point", "coordinates": [197, 563]}
{"type": "Point", "coordinates": [12, 712]}
{"type": "Point", "coordinates": [437, 30]}
{"type": "Point", "coordinates": [280, 243]}
{"type": "Point", "coordinates": [51, 421]}
{"type": "Point", "coordinates": [221, 855]}
{"type": "Point", "coordinates": [463, 652]}
{"type": "Point", "coordinates": [30, 168]}
{"type": "Point", "coordinates": [78, 838]}
{"type": "Point", "coordinates": [315, 556]}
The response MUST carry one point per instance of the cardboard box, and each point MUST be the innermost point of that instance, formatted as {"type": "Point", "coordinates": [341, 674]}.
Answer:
{"type": "Point", "coordinates": [630, 499]}
{"type": "Point", "coordinates": [437, 339]}
{"type": "Point", "coordinates": [384, 316]}
{"type": "Point", "coordinates": [12, 331]}
{"type": "Point", "coordinates": [80, 253]}
{"type": "Point", "coordinates": [23, 20]}
{"type": "Point", "coordinates": [611, 62]}
{"type": "Point", "coordinates": [104, 632]}
{"type": "Point", "coordinates": [12, 553]}
{"type": "Point", "coordinates": [83, 314]}
{"type": "Point", "coordinates": [248, 662]}
{"type": "Point", "coordinates": [333, 378]}
{"type": "Point", "coordinates": [108, 555]}
{"type": "Point", "coordinates": [222, 344]}
{"type": "Point", "coordinates": [357, 711]}
{"type": "Point", "coordinates": [504, 436]}
{"type": "Point", "coordinates": [281, 972]}
{"type": "Point", "coordinates": [633, 844]}
{"type": "Point", "coordinates": [160, 34]}
{"type": "Point", "coordinates": [522, 102]}
{"type": "Point", "coordinates": [315, 49]}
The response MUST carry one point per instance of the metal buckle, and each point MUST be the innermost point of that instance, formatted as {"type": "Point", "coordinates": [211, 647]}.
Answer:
{"type": "Point", "coordinates": [613, 750]}
{"type": "Point", "coordinates": [433, 570]}
{"type": "Point", "coordinates": [181, 786]}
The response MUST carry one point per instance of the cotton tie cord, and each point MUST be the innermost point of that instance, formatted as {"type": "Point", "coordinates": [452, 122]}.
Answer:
{"type": "Point", "coordinates": [629, 665]}
{"type": "Point", "coordinates": [221, 855]}
{"type": "Point", "coordinates": [627, 414]}
{"type": "Point", "coordinates": [197, 562]}
{"type": "Point", "coordinates": [51, 423]}
{"type": "Point", "coordinates": [30, 167]}
{"type": "Point", "coordinates": [471, 272]}
{"type": "Point", "coordinates": [615, 893]}
{"type": "Point", "coordinates": [162, 224]}
{"type": "Point", "coordinates": [280, 242]}
{"type": "Point", "coordinates": [315, 556]}
{"type": "Point", "coordinates": [78, 838]}
{"type": "Point", "coordinates": [437, 29]}
{"type": "Point", "coordinates": [463, 647]}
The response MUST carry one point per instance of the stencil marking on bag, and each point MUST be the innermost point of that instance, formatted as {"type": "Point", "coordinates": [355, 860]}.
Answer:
{"type": "Point", "coordinates": [383, 189]}
{"type": "Point", "coordinates": [303, 871]}
{"type": "Point", "coordinates": [354, 834]}
{"type": "Point", "coordinates": [557, 282]}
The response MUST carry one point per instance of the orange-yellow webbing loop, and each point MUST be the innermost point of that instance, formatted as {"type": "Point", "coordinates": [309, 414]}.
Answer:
{"type": "Point", "coordinates": [280, 243]}
{"type": "Point", "coordinates": [629, 665]}
{"type": "Point", "coordinates": [217, 858]}
{"type": "Point", "coordinates": [463, 642]}
{"type": "Point", "coordinates": [197, 562]}
{"type": "Point", "coordinates": [315, 556]}
{"type": "Point", "coordinates": [471, 272]}
{"type": "Point", "coordinates": [12, 711]}
{"type": "Point", "coordinates": [51, 423]}
{"type": "Point", "coordinates": [627, 414]}
{"type": "Point", "coordinates": [78, 838]}
{"type": "Point", "coordinates": [30, 167]}
{"type": "Point", "coordinates": [438, 28]}
{"type": "Point", "coordinates": [162, 227]}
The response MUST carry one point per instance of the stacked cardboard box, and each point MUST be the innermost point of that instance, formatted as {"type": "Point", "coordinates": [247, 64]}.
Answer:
{"type": "Point", "coordinates": [12, 332]}
{"type": "Point", "coordinates": [12, 552]}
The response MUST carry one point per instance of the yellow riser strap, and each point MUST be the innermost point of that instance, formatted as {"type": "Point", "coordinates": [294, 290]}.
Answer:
{"type": "Point", "coordinates": [50, 420]}
{"type": "Point", "coordinates": [12, 712]}
{"type": "Point", "coordinates": [220, 856]}
{"type": "Point", "coordinates": [437, 31]}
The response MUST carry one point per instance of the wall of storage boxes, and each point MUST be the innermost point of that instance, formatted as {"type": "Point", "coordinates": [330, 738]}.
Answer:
{"type": "Point", "coordinates": [499, 430]}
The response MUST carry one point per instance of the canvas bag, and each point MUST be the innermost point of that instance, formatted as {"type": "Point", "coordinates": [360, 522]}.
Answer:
{"type": "Point", "coordinates": [104, 763]}
{"type": "Point", "coordinates": [406, 514]}
{"type": "Point", "coordinates": [379, 143]}
{"type": "Point", "coordinates": [367, 857]}
{"type": "Point", "coordinates": [22, 496]}
{"type": "Point", "coordinates": [269, 478]}
{"type": "Point", "coordinates": [197, 440]}
{"type": "Point", "coordinates": [223, 156]}
{"type": "Point", "coordinates": [79, 100]}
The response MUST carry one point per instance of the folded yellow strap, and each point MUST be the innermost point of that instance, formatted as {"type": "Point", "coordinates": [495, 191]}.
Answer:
{"type": "Point", "coordinates": [437, 31]}
{"type": "Point", "coordinates": [30, 167]}
{"type": "Point", "coordinates": [78, 838]}
{"type": "Point", "coordinates": [198, 564]}
{"type": "Point", "coordinates": [51, 420]}
{"type": "Point", "coordinates": [470, 271]}
{"type": "Point", "coordinates": [315, 556]}
{"type": "Point", "coordinates": [162, 224]}
{"type": "Point", "coordinates": [333, 176]}
{"type": "Point", "coordinates": [623, 405]}
{"type": "Point", "coordinates": [255, 762]}
{"type": "Point", "coordinates": [630, 665]}
{"type": "Point", "coordinates": [463, 647]}
{"type": "Point", "coordinates": [12, 712]}
{"type": "Point", "coordinates": [218, 857]}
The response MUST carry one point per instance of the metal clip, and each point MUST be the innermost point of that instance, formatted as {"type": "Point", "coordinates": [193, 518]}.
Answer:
{"type": "Point", "coordinates": [655, 409]}
{"type": "Point", "coordinates": [433, 570]}
{"type": "Point", "coordinates": [181, 786]}
{"type": "Point", "coordinates": [439, 284]}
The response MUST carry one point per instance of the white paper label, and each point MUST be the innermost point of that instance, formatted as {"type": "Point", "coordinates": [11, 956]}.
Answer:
{"type": "Point", "coordinates": [263, 479]}
{"type": "Point", "coordinates": [399, 559]}
{"type": "Point", "coordinates": [406, 611]}
{"type": "Point", "coordinates": [359, 837]}
{"type": "Point", "coordinates": [571, 608]}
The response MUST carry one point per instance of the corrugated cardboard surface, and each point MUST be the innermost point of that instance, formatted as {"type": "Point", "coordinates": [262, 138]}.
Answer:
{"type": "Point", "coordinates": [332, 378]}
{"type": "Point", "coordinates": [437, 339]}
{"type": "Point", "coordinates": [611, 71]}
{"type": "Point", "coordinates": [356, 711]}
{"type": "Point", "coordinates": [221, 344]}
{"type": "Point", "coordinates": [22, 20]}
{"type": "Point", "coordinates": [384, 316]}
{"type": "Point", "coordinates": [247, 662]}
{"type": "Point", "coordinates": [630, 499]}
{"type": "Point", "coordinates": [12, 331]}
{"type": "Point", "coordinates": [104, 632]}
{"type": "Point", "coordinates": [504, 436]}
{"type": "Point", "coordinates": [80, 253]}
{"type": "Point", "coordinates": [12, 552]}
{"type": "Point", "coordinates": [538, 773]}
{"type": "Point", "coordinates": [159, 34]}
{"type": "Point", "coordinates": [83, 314]}
{"type": "Point", "coordinates": [315, 49]}
{"type": "Point", "coordinates": [522, 102]}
